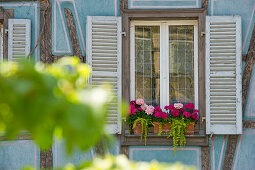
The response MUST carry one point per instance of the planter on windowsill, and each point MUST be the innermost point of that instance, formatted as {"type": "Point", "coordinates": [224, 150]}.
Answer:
{"type": "Point", "coordinates": [190, 129]}
{"type": "Point", "coordinates": [164, 129]}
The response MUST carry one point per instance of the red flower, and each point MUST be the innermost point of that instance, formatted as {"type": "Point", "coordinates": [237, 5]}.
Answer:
{"type": "Point", "coordinates": [194, 116]}
{"type": "Point", "coordinates": [196, 111]}
{"type": "Point", "coordinates": [161, 115]}
{"type": "Point", "coordinates": [175, 112]}
{"type": "Point", "coordinates": [139, 109]}
{"type": "Point", "coordinates": [186, 114]}
{"type": "Point", "coordinates": [157, 109]}
{"type": "Point", "coordinates": [189, 106]}
{"type": "Point", "coordinates": [131, 109]}
{"type": "Point", "coordinates": [181, 109]}
{"type": "Point", "coordinates": [170, 107]}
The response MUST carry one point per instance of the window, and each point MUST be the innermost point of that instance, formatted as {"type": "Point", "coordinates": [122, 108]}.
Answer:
{"type": "Point", "coordinates": [164, 61]}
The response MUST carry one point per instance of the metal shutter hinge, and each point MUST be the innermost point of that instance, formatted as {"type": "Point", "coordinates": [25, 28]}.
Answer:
{"type": "Point", "coordinates": [203, 119]}
{"type": "Point", "coordinates": [202, 34]}
{"type": "Point", "coordinates": [6, 31]}
{"type": "Point", "coordinates": [124, 33]}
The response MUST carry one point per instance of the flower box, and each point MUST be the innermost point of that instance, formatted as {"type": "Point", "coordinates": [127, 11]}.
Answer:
{"type": "Point", "coordinates": [190, 129]}
{"type": "Point", "coordinates": [137, 129]}
{"type": "Point", "coordinates": [165, 128]}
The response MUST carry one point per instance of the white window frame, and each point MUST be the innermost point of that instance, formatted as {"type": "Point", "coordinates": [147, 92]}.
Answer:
{"type": "Point", "coordinates": [164, 58]}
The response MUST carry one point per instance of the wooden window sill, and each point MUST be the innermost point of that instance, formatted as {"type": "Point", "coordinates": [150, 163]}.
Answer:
{"type": "Point", "coordinates": [200, 139]}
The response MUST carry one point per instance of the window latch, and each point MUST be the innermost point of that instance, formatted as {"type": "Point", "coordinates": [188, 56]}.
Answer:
{"type": "Point", "coordinates": [124, 33]}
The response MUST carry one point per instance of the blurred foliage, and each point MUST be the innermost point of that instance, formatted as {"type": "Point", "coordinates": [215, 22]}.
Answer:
{"type": "Point", "coordinates": [52, 100]}
{"type": "Point", "coordinates": [122, 163]}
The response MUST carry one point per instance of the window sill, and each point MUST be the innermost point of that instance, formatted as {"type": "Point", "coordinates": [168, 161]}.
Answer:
{"type": "Point", "coordinates": [163, 140]}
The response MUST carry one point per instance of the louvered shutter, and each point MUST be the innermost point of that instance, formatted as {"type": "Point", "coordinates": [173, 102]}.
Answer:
{"type": "Point", "coordinates": [19, 39]}
{"type": "Point", "coordinates": [223, 75]}
{"type": "Point", "coordinates": [104, 56]}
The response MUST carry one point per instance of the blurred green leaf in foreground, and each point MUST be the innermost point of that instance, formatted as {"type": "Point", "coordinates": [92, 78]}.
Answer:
{"type": "Point", "coordinates": [51, 100]}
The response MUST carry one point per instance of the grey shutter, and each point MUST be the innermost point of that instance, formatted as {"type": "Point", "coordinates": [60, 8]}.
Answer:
{"type": "Point", "coordinates": [223, 75]}
{"type": "Point", "coordinates": [104, 56]}
{"type": "Point", "coordinates": [19, 39]}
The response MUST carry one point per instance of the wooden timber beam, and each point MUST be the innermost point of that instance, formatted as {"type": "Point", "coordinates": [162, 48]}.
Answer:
{"type": "Point", "coordinates": [73, 34]}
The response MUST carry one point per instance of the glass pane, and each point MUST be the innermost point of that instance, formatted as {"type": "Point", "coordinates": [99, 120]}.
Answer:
{"type": "Point", "coordinates": [147, 66]}
{"type": "Point", "coordinates": [181, 67]}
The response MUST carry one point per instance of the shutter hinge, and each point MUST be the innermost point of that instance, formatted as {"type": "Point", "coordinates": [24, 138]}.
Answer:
{"type": "Point", "coordinates": [6, 31]}
{"type": "Point", "coordinates": [203, 119]}
{"type": "Point", "coordinates": [202, 34]}
{"type": "Point", "coordinates": [124, 33]}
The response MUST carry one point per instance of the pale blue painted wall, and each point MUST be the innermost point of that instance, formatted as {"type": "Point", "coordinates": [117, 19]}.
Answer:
{"type": "Point", "coordinates": [187, 155]}
{"type": "Point", "coordinates": [244, 159]}
{"type": "Point", "coordinates": [18, 154]}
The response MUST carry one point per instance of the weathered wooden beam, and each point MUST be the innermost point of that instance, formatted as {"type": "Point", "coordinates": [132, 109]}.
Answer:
{"type": "Point", "coordinates": [250, 60]}
{"type": "Point", "coordinates": [249, 124]}
{"type": "Point", "coordinates": [99, 148]}
{"type": "Point", "coordinates": [46, 161]}
{"type": "Point", "coordinates": [125, 151]}
{"type": "Point", "coordinates": [206, 158]}
{"type": "Point", "coordinates": [73, 34]}
{"type": "Point", "coordinates": [45, 32]}
{"type": "Point", "coordinates": [205, 4]}
{"type": "Point", "coordinates": [244, 57]}
{"type": "Point", "coordinates": [230, 152]}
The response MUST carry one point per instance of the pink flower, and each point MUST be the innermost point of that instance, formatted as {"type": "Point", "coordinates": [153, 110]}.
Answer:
{"type": "Point", "coordinates": [178, 105]}
{"type": "Point", "coordinates": [196, 111]}
{"type": "Point", "coordinates": [139, 109]}
{"type": "Point", "coordinates": [187, 114]}
{"type": "Point", "coordinates": [144, 106]}
{"type": "Point", "coordinates": [189, 106]}
{"type": "Point", "coordinates": [140, 101]}
{"type": "Point", "coordinates": [181, 109]}
{"type": "Point", "coordinates": [149, 110]}
{"type": "Point", "coordinates": [170, 107]}
{"type": "Point", "coordinates": [131, 109]}
{"type": "Point", "coordinates": [194, 116]}
{"type": "Point", "coordinates": [175, 112]}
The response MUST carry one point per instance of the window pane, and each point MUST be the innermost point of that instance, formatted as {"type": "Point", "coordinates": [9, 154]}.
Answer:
{"type": "Point", "coordinates": [181, 53]}
{"type": "Point", "coordinates": [147, 66]}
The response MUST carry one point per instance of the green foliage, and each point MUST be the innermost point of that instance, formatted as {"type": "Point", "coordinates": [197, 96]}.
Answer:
{"type": "Point", "coordinates": [178, 128]}
{"type": "Point", "coordinates": [144, 124]}
{"type": "Point", "coordinates": [48, 100]}
{"type": "Point", "coordinates": [122, 163]}
{"type": "Point", "coordinates": [139, 114]}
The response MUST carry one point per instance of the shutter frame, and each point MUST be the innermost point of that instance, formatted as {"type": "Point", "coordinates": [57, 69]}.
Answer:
{"type": "Point", "coordinates": [210, 33]}
{"type": "Point", "coordinates": [13, 23]}
{"type": "Point", "coordinates": [116, 127]}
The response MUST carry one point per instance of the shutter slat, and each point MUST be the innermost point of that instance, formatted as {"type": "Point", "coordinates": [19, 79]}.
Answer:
{"type": "Point", "coordinates": [19, 39]}
{"type": "Point", "coordinates": [104, 56]}
{"type": "Point", "coordinates": [223, 75]}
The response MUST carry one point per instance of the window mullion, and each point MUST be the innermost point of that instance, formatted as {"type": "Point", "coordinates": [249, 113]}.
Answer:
{"type": "Point", "coordinates": [164, 75]}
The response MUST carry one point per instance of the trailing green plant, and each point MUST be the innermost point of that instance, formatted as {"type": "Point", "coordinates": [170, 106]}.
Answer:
{"type": "Point", "coordinates": [144, 125]}
{"type": "Point", "coordinates": [178, 128]}
{"type": "Point", "coordinates": [181, 116]}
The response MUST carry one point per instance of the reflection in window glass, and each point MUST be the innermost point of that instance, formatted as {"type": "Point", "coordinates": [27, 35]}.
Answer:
{"type": "Point", "coordinates": [147, 64]}
{"type": "Point", "coordinates": [181, 73]}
